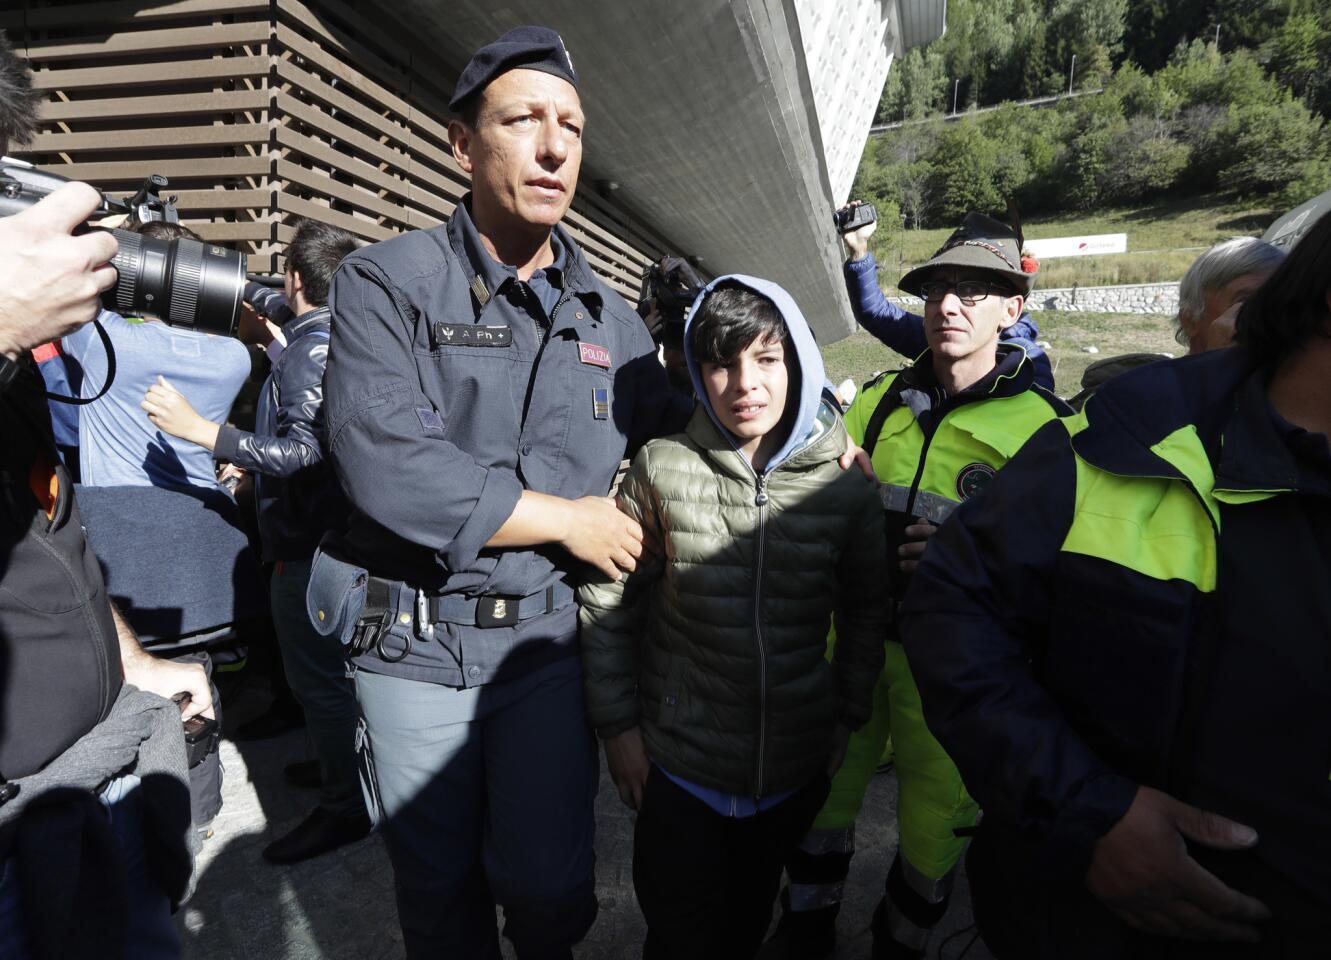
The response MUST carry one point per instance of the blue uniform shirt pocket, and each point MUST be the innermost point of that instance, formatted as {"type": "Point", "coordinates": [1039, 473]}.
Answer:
{"type": "Point", "coordinates": [336, 596]}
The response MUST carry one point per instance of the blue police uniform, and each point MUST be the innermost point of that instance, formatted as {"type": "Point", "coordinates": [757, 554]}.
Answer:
{"type": "Point", "coordinates": [452, 386]}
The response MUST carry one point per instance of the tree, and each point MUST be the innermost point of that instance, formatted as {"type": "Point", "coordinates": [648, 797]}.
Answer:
{"type": "Point", "coordinates": [916, 87]}
{"type": "Point", "coordinates": [1144, 160]}
{"type": "Point", "coordinates": [1273, 144]}
{"type": "Point", "coordinates": [1297, 56]}
{"type": "Point", "coordinates": [966, 167]}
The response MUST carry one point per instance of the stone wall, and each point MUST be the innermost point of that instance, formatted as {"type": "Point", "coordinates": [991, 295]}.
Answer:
{"type": "Point", "coordinates": [1158, 298]}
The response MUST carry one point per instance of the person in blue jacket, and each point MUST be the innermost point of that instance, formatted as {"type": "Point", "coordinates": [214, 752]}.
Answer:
{"type": "Point", "coordinates": [903, 331]}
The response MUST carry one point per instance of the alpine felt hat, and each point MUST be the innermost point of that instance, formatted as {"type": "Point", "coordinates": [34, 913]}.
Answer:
{"type": "Point", "coordinates": [982, 243]}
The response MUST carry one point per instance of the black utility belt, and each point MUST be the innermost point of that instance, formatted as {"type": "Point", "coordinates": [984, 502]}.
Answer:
{"type": "Point", "coordinates": [395, 610]}
{"type": "Point", "coordinates": [365, 612]}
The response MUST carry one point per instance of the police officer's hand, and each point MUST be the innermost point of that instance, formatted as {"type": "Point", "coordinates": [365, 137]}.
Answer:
{"type": "Point", "coordinates": [917, 538]}
{"type": "Point", "coordinates": [857, 456]}
{"type": "Point", "coordinates": [50, 281]}
{"type": "Point", "coordinates": [626, 757]}
{"type": "Point", "coordinates": [857, 241]}
{"type": "Point", "coordinates": [597, 532]}
{"type": "Point", "coordinates": [1141, 871]}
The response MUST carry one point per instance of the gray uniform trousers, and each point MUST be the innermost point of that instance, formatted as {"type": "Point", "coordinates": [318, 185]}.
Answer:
{"type": "Point", "coordinates": [484, 796]}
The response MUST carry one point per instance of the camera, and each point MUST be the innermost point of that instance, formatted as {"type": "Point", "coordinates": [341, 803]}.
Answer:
{"type": "Point", "coordinates": [854, 217]}
{"type": "Point", "coordinates": [188, 284]}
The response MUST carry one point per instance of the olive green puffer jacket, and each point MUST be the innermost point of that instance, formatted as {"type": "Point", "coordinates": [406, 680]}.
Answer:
{"type": "Point", "coordinates": [717, 649]}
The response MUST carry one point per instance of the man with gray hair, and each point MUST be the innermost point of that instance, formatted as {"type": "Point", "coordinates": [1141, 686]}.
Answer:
{"type": "Point", "coordinates": [1218, 280]}
{"type": "Point", "coordinates": [1209, 297]}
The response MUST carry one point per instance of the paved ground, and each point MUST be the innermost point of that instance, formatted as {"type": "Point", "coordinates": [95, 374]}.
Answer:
{"type": "Point", "coordinates": [341, 905]}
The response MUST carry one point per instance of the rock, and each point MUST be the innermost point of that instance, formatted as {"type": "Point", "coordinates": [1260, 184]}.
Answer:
{"type": "Point", "coordinates": [1044, 344]}
{"type": "Point", "coordinates": [1090, 349]}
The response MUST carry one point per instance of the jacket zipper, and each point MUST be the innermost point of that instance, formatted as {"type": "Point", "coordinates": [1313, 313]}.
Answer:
{"type": "Point", "coordinates": [1184, 733]}
{"type": "Point", "coordinates": [760, 500]}
{"type": "Point", "coordinates": [919, 467]}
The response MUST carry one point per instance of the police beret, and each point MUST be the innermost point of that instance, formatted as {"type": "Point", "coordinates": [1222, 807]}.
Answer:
{"type": "Point", "coordinates": [531, 48]}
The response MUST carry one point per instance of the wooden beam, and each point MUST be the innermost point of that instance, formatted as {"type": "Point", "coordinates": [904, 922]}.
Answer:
{"type": "Point", "coordinates": [168, 105]}
{"type": "Point", "coordinates": [151, 138]}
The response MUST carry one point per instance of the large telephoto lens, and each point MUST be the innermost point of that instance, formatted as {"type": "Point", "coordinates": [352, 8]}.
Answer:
{"type": "Point", "coordinates": [184, 282]}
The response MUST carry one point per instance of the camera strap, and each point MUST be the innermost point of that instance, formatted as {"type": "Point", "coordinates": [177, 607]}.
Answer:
{"type": "Point", "coordinates": [110, 372]}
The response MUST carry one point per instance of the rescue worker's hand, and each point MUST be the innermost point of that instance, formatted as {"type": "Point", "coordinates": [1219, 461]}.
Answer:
{"type": "Point", "coordinates": [857, 241]}
{"type": "Point", "coordinates": [597, 532]}
{"type": "Point", "coordinates": [840, 741]}
{"type": "Point", "coordinates": [626, 757]}
{"type": "Point", "coordinates": [171, 413]}
{"type": "Point", "coordinates": [917, 538]}
{"type": "Point", "coordinates": [856, 455]}
{"type": "Point", "coordinates": [50, 281]}
{"type": "Point", "coordinates": [1141, 871]}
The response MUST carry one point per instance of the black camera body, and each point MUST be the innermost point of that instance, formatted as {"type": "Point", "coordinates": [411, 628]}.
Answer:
{"type": "Point", "coordinates": [188, 284]}
{"type": "Point", "coordinates": [852, 218]}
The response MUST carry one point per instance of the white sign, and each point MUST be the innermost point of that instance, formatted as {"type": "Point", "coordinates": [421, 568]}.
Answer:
{"type": "Point", "coordinates": [1078, 246]}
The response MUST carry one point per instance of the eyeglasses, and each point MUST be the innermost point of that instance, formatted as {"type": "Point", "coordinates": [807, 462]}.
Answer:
{"type": "Point", "coordinates": [969, 292]}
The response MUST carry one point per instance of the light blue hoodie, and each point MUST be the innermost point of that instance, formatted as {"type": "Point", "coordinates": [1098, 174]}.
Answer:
{"type": "Point", "coordinates": [803, 360]}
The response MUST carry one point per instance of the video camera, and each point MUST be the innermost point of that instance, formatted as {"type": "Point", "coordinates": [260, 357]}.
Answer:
{"type": "Point", "coordinates": [188, 284]}
{"type": "Point", "coordinates": [671, 285]}
{"type": "Point", "coordinates": [853, 217]}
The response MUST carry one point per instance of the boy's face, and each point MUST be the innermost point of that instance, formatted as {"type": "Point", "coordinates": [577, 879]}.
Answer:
{"type": "Point", "coordinates": [749, 395]}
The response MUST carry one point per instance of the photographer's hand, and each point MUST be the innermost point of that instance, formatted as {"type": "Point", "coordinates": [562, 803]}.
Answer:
{"type": "Point", "coordinates": [857, 241]}
{"type": "Point", "coordinates": [171, 413]}
{"type": "Point", "coordinates": [50, 281]}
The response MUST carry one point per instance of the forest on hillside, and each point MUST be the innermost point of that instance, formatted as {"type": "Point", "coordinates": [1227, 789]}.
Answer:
{"type": "Point", "coordinates": [1180, 114]}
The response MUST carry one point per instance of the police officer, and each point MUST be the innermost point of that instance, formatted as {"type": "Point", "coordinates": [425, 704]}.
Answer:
{"type": "Point", "coordinates": [482, 388]}
{"type": "Point", "coordinates": [937, 432]}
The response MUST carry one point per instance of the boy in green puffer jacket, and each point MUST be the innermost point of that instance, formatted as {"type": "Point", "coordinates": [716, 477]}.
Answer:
{"type": "Point", "coordinates": [704, 669]}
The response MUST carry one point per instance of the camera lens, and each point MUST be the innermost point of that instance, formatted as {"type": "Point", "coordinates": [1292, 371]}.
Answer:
{"type": "Point", "coordinates": [184, 282]}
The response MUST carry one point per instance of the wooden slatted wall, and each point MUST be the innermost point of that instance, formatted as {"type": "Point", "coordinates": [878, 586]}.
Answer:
{"type": "Point", "coordinates": [260, 113]}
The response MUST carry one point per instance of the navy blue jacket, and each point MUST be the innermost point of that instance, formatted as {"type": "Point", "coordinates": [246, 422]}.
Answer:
{"type": "Point", "coordinates": [297, 496]}
{"type": "Point", "coordinates": [448, 393]}
{"type": "Point", "coordinates": [904, 332]}
{"type": "Point", "coordinates": [1059, 677]}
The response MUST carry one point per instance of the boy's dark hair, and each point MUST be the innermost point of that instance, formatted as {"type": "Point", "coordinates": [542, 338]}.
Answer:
{"type": "Point", "coordinates": [1290, 307]}
{"type": "Point", "coordinates": [730, 318]}
{"type": "Point", "coordinates": [18, 101]}
{"type": "Point", "coordinates": [161, 230]}
{"type": "Point", "coordinates": [314, 252]}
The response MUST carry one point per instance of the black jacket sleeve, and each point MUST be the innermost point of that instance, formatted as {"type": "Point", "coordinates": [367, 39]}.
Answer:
{"type": "Point", "coordinates": [415, 483]}
{"type": "Point", "coordinates": [974, 622]}
{"type": "Point", "coordinates": [298, 441]}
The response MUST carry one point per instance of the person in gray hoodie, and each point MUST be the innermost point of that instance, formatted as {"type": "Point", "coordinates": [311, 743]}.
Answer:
{"type": "Point", "coordinates": [705, 671]}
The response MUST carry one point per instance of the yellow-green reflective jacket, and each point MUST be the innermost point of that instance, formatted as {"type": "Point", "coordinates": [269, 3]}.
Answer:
{"type": "Point", "coordinates": [932, 451]}
{"type": "Point", "coordinates": [1143, 596]}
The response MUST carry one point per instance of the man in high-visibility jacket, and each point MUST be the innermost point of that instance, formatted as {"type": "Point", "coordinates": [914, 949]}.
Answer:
{"type": "Point", "coordinates": [937, 432]}
{"type": "Point", "coordinates": [1127, 648]}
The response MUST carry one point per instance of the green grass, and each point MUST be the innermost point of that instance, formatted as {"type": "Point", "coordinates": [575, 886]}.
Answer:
{"type": "Point", "coordinates": [1163, 240]}
{"type": "Point", "coordinates": [860, 356]}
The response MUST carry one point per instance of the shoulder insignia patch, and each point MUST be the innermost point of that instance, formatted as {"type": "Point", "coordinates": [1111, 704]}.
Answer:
{"type": "Point", "coordinates": [973, 478]}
